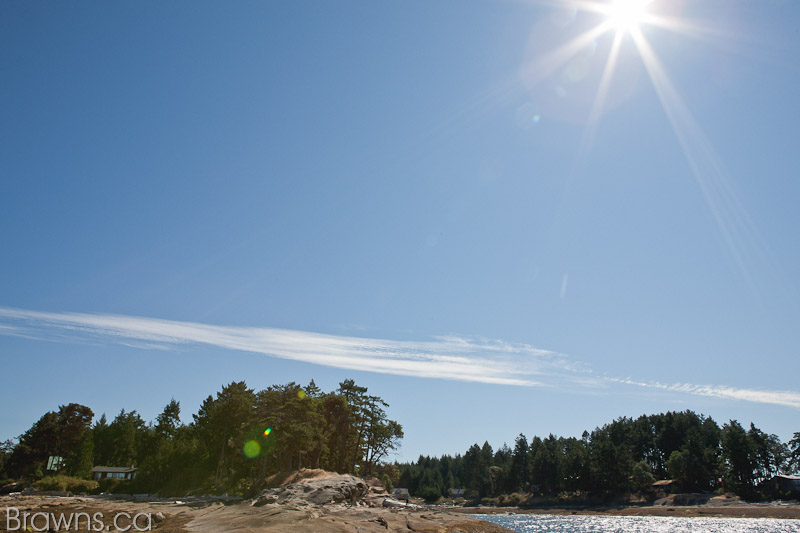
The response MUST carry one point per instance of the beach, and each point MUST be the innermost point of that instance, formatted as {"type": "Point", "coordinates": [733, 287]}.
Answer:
{"type": "Point", "coordinates": [320, 502]}
{"type": "Point", "coordinates": [328, 502]}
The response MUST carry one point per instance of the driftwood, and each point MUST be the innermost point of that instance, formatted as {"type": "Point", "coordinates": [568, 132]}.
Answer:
{"type": "Point", "coordinates": [389, 502]}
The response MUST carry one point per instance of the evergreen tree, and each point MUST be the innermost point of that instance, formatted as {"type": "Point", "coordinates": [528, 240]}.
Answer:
{"type": "Point", "coordinates": [103, 448]}
{"type": "Point", "coordinates": [81, 460]}
{"type": "Point", "coordinates": [737, 453]}
{"type": "Point", "coordinates": [169, 420]}
{"type": "Point", "coordinates": [519, 464]}
{"type": "Point", "coordinates": [55, 434]}
{"type": "Point", "coordinates": [6, 447]}
{"type": "Point", "coordinates": [769, 454]}
{"type": "Point", "coordinates": [794, 453]}
{"type": "Point", "coordinates": [222, 424]}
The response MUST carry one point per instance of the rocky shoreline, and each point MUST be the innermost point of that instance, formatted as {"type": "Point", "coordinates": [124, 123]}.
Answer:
{"type": "Point", "coordinates": [314, 500]}
{"type": "Point", "coordinates": [699, 505]}
{"type": "Point", "coordinates": [320, 502]}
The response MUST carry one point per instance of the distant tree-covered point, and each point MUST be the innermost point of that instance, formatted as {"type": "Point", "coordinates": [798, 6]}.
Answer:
{"type": "Point", "coordinates": [623, 457]}
{"type": "Point", "coordinates": [237, 438]}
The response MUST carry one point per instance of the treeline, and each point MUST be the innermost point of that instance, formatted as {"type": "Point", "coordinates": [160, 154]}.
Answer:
{"type": "Point", "coordinates": [236, 439]}
{"type": "Point", "coordinates": [622, 457]}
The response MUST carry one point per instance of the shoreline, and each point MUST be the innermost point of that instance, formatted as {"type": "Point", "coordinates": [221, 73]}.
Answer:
{"type": "Point", "coordinates": [331, 503]}
{"type": "Point", "coordinates": [755, 510]}
{"type": "Point", "coordinates": [214, 517]}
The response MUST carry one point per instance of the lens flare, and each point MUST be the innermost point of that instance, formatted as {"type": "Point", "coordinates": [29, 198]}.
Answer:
{"type": "Point", "coordinates": [301, 394]}
{"type": "Point", "coordinates": [628, 18]}
{"type": "Point", "coordinates": [267, 432]}
{"type": "Point", "coordinates": [251, 449]}
{"type": "Point", "coordinates": [626, 15]}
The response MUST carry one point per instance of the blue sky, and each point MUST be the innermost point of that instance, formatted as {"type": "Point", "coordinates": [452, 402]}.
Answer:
{"type": "Point", "coordinates": [460, 205]}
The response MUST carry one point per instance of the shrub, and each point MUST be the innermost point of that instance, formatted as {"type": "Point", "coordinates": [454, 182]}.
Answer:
{"type": "Point", "coordinates": [123, 486]}
{"type": "Point", "coordinates": [242, 487]}
{"type": "Point", "coordinates": [57, 483]}
{"type": "Point", "coordinates": [65, 483]}
{"type": "Point", "coordinates": [108, 484]}
{"type": "Point", "coordinates": [387, 482]}
{"type": "Point", "coordinates": [429, 494]}
{"type": "Point", "coordinates": [77, 485]}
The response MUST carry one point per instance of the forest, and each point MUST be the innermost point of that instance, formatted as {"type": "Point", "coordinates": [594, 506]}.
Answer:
{"type": "Point", "coordinates": [237, 438]}
{"type": "Point", "coordinates": [623, 457]}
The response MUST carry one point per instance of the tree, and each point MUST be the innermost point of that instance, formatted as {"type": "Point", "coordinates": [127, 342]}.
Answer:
{"type": "Point", "coordinates": [6, 447]}
{"type": "Point", "coordinates": [336, 423]}
{"type": "Point", "coordinates": [125, 437]}
{"type": "Point", "coordinates": [737, 453]}
{"type": "Point", "coordinates": [168, 422]}
{"type": "Point", "coordinates": [29, 457]}
{"type": "Point", "coordinates": [157, 463]}
{"type": "Point", "coordinates": [477, 477]}
{"type": "Point", "coordinates": [356, 429]}
{"type": "Point", "coordinates": [575, 465]}
{"type": "Point", "coordinates": [223, 422]}
{"type": "Point", "coordinates": [611, 464]}
{"type": "Point", "coordinates": [546, 466]}
{"type": "Point", "coordinates": [352, 441]}
{"type": "Point", "coordinates": [381, 436]}
{"type": "Point", "coordinates": [794, 455]}
{"type": "Point", "coordinates": [679, 468]}
{"type": "Point", "coordinates": [501, 470]}
{"type": "Point", "coordinates": [72, 421]}
{"type": "Point", "coordinates": [519, 464]}
{"type": "Point", "coordinates": [313, 391]}
{"type": "Point", "coordinates": [642, 478]}
{"type": "Point", "coordinates": [295, 418]}
{"type": "Point", "coordinates": [769, 454]}
{"type": "Point", "coordinates": [54, 434]}
{"type": "Point", "coordinates": [430, 486]}
{"type": "Point", "coordinates": [103, 447]}
{"type": "Point", "coordinates": [81, 460]}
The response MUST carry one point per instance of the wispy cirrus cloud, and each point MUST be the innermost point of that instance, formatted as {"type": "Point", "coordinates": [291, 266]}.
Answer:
{"type": "Point", "coordinates": [453, 358]}
{"type": "Point", "coordinates": [446, 357]}
{"type": "Point", "coordinates": [785, 398]}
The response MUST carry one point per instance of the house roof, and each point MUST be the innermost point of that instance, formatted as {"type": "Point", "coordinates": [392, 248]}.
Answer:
{"type": "Point", "coordinates": [663, 482]}
{"type": "Point", "coordinates": [784, 476]}
{"type": "Point", "coordinates": [114, 469]}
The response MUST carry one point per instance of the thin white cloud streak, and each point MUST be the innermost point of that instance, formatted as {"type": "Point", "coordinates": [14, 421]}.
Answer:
{"type": "Point", "coordinates": [444, 357]}
{"type": "Point", "coordinates": [447, 357]}
{"type": "Point", "coordinates": [785, 398]}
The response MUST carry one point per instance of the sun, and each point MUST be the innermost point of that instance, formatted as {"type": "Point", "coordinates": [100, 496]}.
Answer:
{"type": "Point", "coordinates": [626, 15]}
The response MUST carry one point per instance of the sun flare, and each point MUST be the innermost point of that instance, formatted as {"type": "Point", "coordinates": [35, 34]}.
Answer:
{"type": "Point", "coordinates": [626, 15]}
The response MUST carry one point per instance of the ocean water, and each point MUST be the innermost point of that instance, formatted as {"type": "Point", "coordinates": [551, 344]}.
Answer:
{"type": "Point", "coordinates": [639, 524]}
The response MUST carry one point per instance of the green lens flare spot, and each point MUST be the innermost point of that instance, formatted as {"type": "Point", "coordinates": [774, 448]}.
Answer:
{"type": "Point", "coordinates": [251, 449]}
{"type": "Point", "coordinates": [301, 394]}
